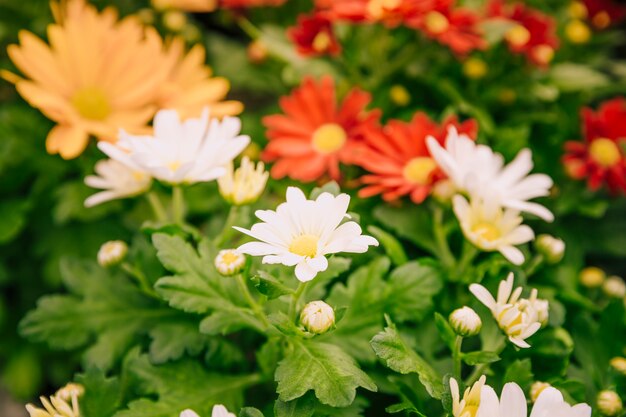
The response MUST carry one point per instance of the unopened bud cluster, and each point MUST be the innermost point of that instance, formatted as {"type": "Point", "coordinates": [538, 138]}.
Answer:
{"type": "Point", "coordinates": [317, 317]}
{"type": "Point", "coordinates": [465, 322]}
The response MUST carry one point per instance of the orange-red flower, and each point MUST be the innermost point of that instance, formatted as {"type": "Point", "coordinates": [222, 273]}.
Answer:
{"type": "Point", "coordinates": [398, 160]}
{"type": "Point", "coordinates": [604, 13]}
{"type": "Point", "coordinates": [534, 33]}
{"type": "Point", "coordinates": [316, 132]}
{"type": "Point", "coordinates": [601, 158]}
{"type": "Point", "coordinates": [390, 12]}
{"type": "Point", "coordinates": [314, 36]}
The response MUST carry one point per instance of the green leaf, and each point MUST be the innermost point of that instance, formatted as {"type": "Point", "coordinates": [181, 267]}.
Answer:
{"type": "Point", "coordinates": [170, 341]}
{"type": "Point", "coordinates": [285, 325]}
{"type": "Point", "coordinates": [336, 266]}
{"type": "Point", "coordinates": [474, 358]}
{"type": "Point", "coordinates": [229, 321]}
{"type": "Point", "coordinates": [520, 372]}
{"type": "Point", "coordinates": [393, 248]}
{"type": "Point", "coordinates": [445, 331]}
{"type": "Point", "coordinates": [324, 368]}
{"type": "Point", "coordinates": [330, 187]}
{"type": "Point", "coordinates": [12, 218]}
{"type": "Point", "coordinates": [181, 385]}
{"type": "Point", "coordinates": [410, 222]}
{"type": "Point", "coordinates": [270, 286]}
{"type": "Point", "coordinates": [397, 355]}
{"type": "Point", "coordinates": [412, 287]}
{"type": "Point", "coordinates": [102, 395]}
{"type": "Point", "coordinates": [300, 407]}
{"type": "Point", "coordinates": [250, 412]}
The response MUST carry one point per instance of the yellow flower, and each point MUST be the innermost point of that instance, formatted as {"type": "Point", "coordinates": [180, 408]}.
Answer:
{"type": "Point", "coordinates": [186, 5]}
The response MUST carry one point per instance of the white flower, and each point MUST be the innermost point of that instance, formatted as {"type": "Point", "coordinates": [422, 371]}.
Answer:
{"type": "Point", "coordinates": [609, 403]}
{"type": "Point", "coordinates": [540, 306]}
{"type": "Point", "coordinates": [229, 262]}
{"type": "Point", "coordinates": [245, 184]}
{"type": "Point", "coordinates": [466, 407]}
{"type": "Point", "coordinates": [512, 403]}
{"type": "Point", "coordinates": [63, 404]}
{"type": "Point", "coordinates": [301, 232]}
{"type": "Point", "coordinates": [536, 389]}
{"type": "Point", "coordinates": [465, 322]}
{"type": "Point", "coordinates": [70, 391]}
{"type": "Point", "coordinates": [188, 413]}
{"type": "Point", "coordinates": [479, 171]}
{"type": "Point", "coordinates": [196, 150]}
{"type": "Point", "coordinates": [491, 228]}
{"type": "Point", "coordinates": [117, 180]}
{"type": "Point", "coordinates": [518, 321]}
{"type": "Point", "coordinates": [317, 317]}
{"type": "Point", "coordinates": [112, 252]}
{"type": "Point", "coordinates": [218, 411]}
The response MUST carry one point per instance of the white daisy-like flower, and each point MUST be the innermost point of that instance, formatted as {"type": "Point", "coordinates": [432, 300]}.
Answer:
{"type": "Point", "coordinates": [466, 406]}
{"type": "Point", "coordinates": [517, 321]}
{"type": "Point", "coordinates": [302, 232]}
{"type": "Point", "coordinates": [541, 306]}
{"type": "Point", "coordinates": [194, 150]}
{"type": "Point", "coordinates": [477, 169]}
{"type": "Point", "coordinates": [512, 403]}
{"type": "Point", "coordinates": [245, 184]}
{"type": "Point", "coordinates": [492, 228]}
{"type": "Point", "coordinates": [117, 180]}
{"type": "Point", "coordinates": [229, 262]}
{"type": "Point", "coordinates": [218, 411]}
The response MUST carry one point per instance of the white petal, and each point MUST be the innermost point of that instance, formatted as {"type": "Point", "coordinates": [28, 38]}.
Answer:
{"type": "Point", "coordinates": [259, 249]}
{"type": "Point", "coordinates": [188, 413]}
{"type": "Point", "coordinates": [546, 400]}
{"type": "Point", "coordinates": [304, 272]}
{"type": "Point", "coordinates": [483, 295]}
{"type": "Point", "coordinates": [319, 263]}
{"type": "Point", "coordinates": [512, 254]}
{"type": "Point", "coordinates": [489, 404]}
{"type": "Point", "coordinates": [512, 401]}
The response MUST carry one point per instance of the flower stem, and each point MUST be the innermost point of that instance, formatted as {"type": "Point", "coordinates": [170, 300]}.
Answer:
{"type": "Point", "coordinates": [479, 370]}
{"type": "Point", "coordinates": [533, 264]}
{"type": "Point", "coordinates": [469, 253]}
{"type": "Point", "coordinates": [295, 298]}
{"type": "Point", "coordinates": [444, 253]}
{"type": "Point", "coordinates": [456, 355]}
{"type": "Point", "coordinates": [227, 230]}
{"type": "Point", "coordinates": [258, 311]}
{"type": "Point", "coordinates": [157, 206]}
{"type": "Point", "coordinates": [141, 279]}
{"type": "Point", "coordinates": [178, 205]}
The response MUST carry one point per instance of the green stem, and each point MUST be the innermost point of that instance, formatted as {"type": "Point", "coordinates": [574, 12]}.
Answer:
{"type": "Point", "coordinates": [157, 207]}
{"type": "Point", "coordinates": [444, 253]}
{"type": "Point", "coordinates": [457, 356]}
{"type": "Point", "coordinates": [258, 311]}
{"type": "Point", "coordinates": [249, 28]}
{"type": "Point", "coordinates": [141, 279]}
{"type": "Point", "coordinates": [295, 298]}
{"type": "Point", "coordinates": [178, 205]}
{"type": "Point", "coordinates": [227, 230]}
{"type": "Point", "coordinates": [480, 369]}
{"type": "Point", "coordinates": [533, 264]}
{"type": "Point", "coordinates": [469, 253]}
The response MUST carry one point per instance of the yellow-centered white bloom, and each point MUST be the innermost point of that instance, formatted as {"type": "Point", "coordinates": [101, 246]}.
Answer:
{"type": "Point", "coordinates": [536, 389]}
{"type": "Point", "coordinates": [112, 253]}
{"type": "Point", "coordinates": [218, 411]}
{"type": "Point", "coordinates": [229, 262]}
{"type": "Point", "coordinates": [512, 403]}
{"type": "Point", "coordinates": [541, 306]}
{"type": "Point", "coordinates": [190, 151]}
{"type": "Point", "coordinates": [468, 405]}
{"type": "Point", "coordinates": [492, 228]}
{"type": "Point", "coordinates": [517, 321]}
{"type": "Point", "coordinates": [609, 403]}
{"type": "Point", "coordinates": [465, 322]}
{"type": "Point", "coordinates": [245, 184]}
{"type": "Point", "coordinates": [63, 404]}
{"type": "Point", "coordinates": [317, 317]}
{"type": "Point", "coordinates": [614, 287]}
{"type": "Point", "coordinates": [479, 171]}
{"type": "Point", "coordinates": [302, 232]}
{"type": "Point", "coordinates": [117, 180]}
{"type": "Point", "coordinates": [551, 248]}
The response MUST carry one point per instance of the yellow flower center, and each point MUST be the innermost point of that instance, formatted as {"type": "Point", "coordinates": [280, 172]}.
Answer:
{"type": "Point", "coordinates": [487, 231]}
{"type": "Point", "coordinates": [321, 42]}
{"type": "Point", "coordinates": [304, 245]}
{"type": "Point", "coordinates": [377, 8]}
{"type": "Point", "coordinates": [543, 53]}
{"type": "Point", "coordinates": [418, 170]}
{"type": "Point", "coordinates": [329, 138]}
{"type": "Point", "coordinates": [601, 20]}
{"type": "Point", "coordinates": [577, 32]}
{"type": "Point", "coordinates": [436, 22]}
{"type": "Point", "coordinates": [91, 103]}
{"type": "Point", "coordinates": [469, 411]}
{"type": "Point", "coordinates": [399, 95]}
{"type": "Point", "coordinates": [604, 152]}
{"type": "Point", "coordinates": [508, 327]}
{"type": "Point", "coordinates": [230, 258]}
{"type": "Point", "coordinates": [518, 36]}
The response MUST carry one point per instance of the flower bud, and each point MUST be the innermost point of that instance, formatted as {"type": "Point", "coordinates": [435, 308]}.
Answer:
{"type": "Point", "coordinates": [475, 68]}
{"type": "Point", "coordinates": [112, 253]}
{"type": "Point", "coordinates": [399, 95]}
{"type": "Point", "coordinates": [537, 388]}
{"type": "Point", "coordinates": [245, 184]}
{"type": "Point", "coordinates": [619, 364]}
{"type": "Point", "coordinates": [174, 20]}
{"type": "Point", "coordinates": [465, 322]}
{"type": "Point", "coordinates": [551, 248]}
{"type": "Point", "coordinates": [577, 32]}
{"type": "Point", "coordinates": [614, 287]}
{"type": "Point", "coordinates": [592, 277]}
{"type": "Point", "coordinates": [229, 262]}
{"type": "Point", "coordinates": [257, 52]}
{"type": "Point", "coordinates": [317, 317]}
{"type": "Point", "coordinates": [609, 403]}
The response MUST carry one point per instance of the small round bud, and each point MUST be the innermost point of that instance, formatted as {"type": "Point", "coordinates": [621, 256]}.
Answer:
{"type": "Point", "coordinates": [174, 20]}
{"type": "Point", "coordinates": [229, 262]}
{"type": "Point", "coordinates": [465, 322]}
{"type": "Point", "coordinates": [475, 68]}
{"type": "Point", "coordinates": [577, 32]}
{"type": "Point", "coordinates": [614, 287]}
{"type": "Point", "coordinates": [619, 364]}
{"type": "Point", "coordinates": [257, 52]}
{"type": "Point", "coordinates": [537, 388]}
{"type": "Point", "coordinates": [551, 248]}
{"type": "Point", "coordinates": [609, 403]}
{"type": "Point", "coordinates": [399, 95]}
{"type": "Point", "coordinates": [112, 253]}
{"type": "Point", "coordinates": [592, 277]}
{"type": "Point", "coordinates": [577, 10]}
{"type": "Point", "coordinates": [317, 317]}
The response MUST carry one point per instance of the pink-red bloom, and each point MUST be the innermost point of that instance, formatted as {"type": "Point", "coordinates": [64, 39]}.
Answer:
{"type": "Point", "coordinates": [314, 36]}
{"type": "Point", "coordinates": [316, 133]}
{"type": "Point", "coordinates": [390, 12]}
{"type": "Point", "coordinates": [601, 158]}
{"type": "Point", "coordinates": [534, 33]}
{"type": "Point", "coordinates": [398, 160]}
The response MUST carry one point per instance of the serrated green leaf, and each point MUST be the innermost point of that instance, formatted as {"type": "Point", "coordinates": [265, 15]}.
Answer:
{"type": "Point", "coordinates": [229, 321]}
{"type": "Point", "coordinates": [300, 407]}
{"type": "Point", "coordinates": [331, 373]}
{"type": "Point", "coordinates": [393, 248]}
{"type": "Point", "coordinates": [445, 331]}
{"type": "Point", "coordinates": [411, 222]}
{"type": "Point", "coordinates": [330, 187]}
{"type": "Point", "coordinates": [412, 288]}
{"type": "Point", "coordinates": [285, 325]}
{"type": "Point", "coordinates": [270, 286]}
{"type": "Point", "coordinates": [102, 395]}
{"type": "Point", "coordinates": [520, 372]}
{"type": "Point", "coordinates": [250, 412]}
{"type": "Point", "coordinates": [474, 358]}
{"type": "Point", "coordinates": [170, 341]}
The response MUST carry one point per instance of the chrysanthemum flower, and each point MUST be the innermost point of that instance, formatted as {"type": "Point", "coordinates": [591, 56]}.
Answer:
{"type": "Point", "coordinates": [190, 151]}
{"type": "Point", "coordinates": [604, 13]}
{"type": "Point", "coordinates": [466, 406]}
{"type": "Point", "coordinates": [314, 36]}
{"type": "Point", "coordinates": [117, 180]}
{"type": "Point", "coordinates": [390, 12]}
{"type": "Point", "coordinates": [491, 228]}
{"type": "Point", "coordinates": [302, 232]}
{"type": "Point", "coordinates": [601, 157]}
{"type": "Point", "coordinates": [200, 6]}
{"type": "Point", "coordinates": [534, 33]}
{"type": "Point", "coordinates": [316, 133]}
{"type": "Point", "coordinates": [479, 171]}
{"type": "Point", "coordinates": [518, 323]}
{"type": "Point", "coordinates": [399, 161]}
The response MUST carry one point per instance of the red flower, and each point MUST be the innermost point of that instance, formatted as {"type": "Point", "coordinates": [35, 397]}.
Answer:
{"type": "Point", "coordinates": [237, 4]}
{"type": "Point", "coordinates": [390, 12]}
{"type": "Point", "coordinates": [315, 134]}
{"type": "Point", "coordinates": [313, 36]}
{"type": "Point", "coordinates": [454, 27]}
{"type": "Point", "coordinates": [398, 160]}
{"type": "Point", "coordinates": [603, 13]}
{"type": "Point", "coordinates": [601, 157]}
{"type": "Point", "coordinates": [534, 35]}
